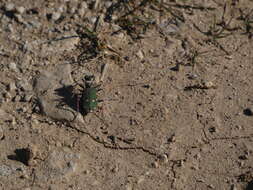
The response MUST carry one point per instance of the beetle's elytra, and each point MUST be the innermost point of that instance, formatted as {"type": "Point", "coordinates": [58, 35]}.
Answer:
{"type": "Point", "coordinates": [88, 101]}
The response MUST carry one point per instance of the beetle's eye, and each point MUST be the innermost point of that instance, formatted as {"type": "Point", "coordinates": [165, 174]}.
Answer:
{"type": "Point", "coordinates": [89, 77]}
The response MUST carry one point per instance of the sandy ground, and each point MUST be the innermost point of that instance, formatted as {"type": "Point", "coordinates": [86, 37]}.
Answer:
{"type": "Point", "coordinates": [177, 109]}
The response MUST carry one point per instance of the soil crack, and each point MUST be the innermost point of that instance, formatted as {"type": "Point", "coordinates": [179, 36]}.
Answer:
{"type": "Point", "coordinates": [115, 147]}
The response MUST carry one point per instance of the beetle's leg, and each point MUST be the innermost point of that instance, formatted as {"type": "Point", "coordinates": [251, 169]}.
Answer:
{"type": "Point", "coordinates": [77, 103]}
{"type": "Point", "coordinates": [100, 100]}
{"type": "Point", "coordinates": [98, 87]}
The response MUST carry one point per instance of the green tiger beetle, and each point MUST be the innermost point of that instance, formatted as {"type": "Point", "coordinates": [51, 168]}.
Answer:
{"type": "Point", "coordinates": [88, 100]}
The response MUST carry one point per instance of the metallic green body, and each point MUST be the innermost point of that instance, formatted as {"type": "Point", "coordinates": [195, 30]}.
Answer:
{"type": "Point", "coordinates": [89, 99]}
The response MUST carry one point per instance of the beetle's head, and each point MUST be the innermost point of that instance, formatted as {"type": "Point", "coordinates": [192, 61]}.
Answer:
{"type": "Point", "coordinates": [88, 80]}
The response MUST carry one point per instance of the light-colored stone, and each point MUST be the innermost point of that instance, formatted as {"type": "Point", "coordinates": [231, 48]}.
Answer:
{"type": "Point", "coordinates": [9, 7]}
{"type": "Point", "coordinates": [140, 54]}
{"type": "Point", "coordinates": [13, 66]}
{"type": "Point", "coordinates": [20, 10]}
{"type": "Point", "coordinates": [56, 15]}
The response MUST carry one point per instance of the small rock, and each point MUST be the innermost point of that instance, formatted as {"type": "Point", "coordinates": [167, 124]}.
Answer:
{"type": "Point", "coordinates": [170, 27]}
{"type": "Point", "coordinates": [233, 187]}
{"type": "Point", "coordinates": [248, 111]}
{"type": "Point", "coordinates": [84, 5]}
{"type": "Point", "coordinates": [115, 169]}
{"type": "Point", "coordinates": [55, 16]}
{"type": "Point", "coordinates": [28, 97]}
{"type": "Point", "coordinates": [61, 9]}
{"type": "Point", "coordinates": [212, 129]}
{"type": "Point", "coordinates": [5, 170]}
{"type": "Point", "coordinates": [1, 99]}
{"type": "Point", "coordinates": [13, 122]}
{"type": "Point", "coordinates": [93, 19]}
{"type": "Point", "coordinates": [72, 10]}
{"type": "Point", "coordinates": [211, 186]}
{"type": "Point", "coordinates": [243, 157]}
{"type": "Point", "coordinates": [17, 98]}
{"type": "Point", "coordinates": [12, 66]}
{"type": "Point", "coordinates": [24, 85]}
{"type": "Point", "coordinates": [209, 85]}
{"type": "Point", "coordinates": [141, 179]}
{"type": "Point", "coordinates": [1, 133]}
{"type": "Point", "coordinates": [192, 76]}
{"type": "Point", "coordinates": [24, 155]}
{"type": "Point", "coordinates": [114, 17]}
{"type": "Point", "coordinates": [140, 54]}
{"type": "Point", "coordinates": [20, 10]}
{"type": "Point", "coordinates": [11, 87]}
{"type": "Point", "coordinates": [155, 164]}
{"type": "Point", "coordinates": [115, 27]}
{"type": "Point", "coordinates": [163, 158]}
{"type": "Point", "coordinates": [9, 7]}
{"type": "Point", "coordinates": [108, 4]}
{"type": "Point", "coordinates": [81, 12]}
{"type": "Point", "coordinates": [7, 96]}
{"type": "Point", "coordinates": [120, 35]}
{"type": "Point", "coordinates": [176, 68]}
{"type": "Point", "coordinates": [86, 172]}
{"type": "Point", "coordinates": [19, 18]}
{"type": "Point", "coordinates": [60, 82]}
{"type": "Point", "coordinates": [129, 187]}
{"type": "Point", "coordinates": [34, 23]}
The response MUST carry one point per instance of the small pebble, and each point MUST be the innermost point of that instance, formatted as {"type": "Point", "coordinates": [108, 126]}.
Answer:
{"type": "Point", "coordinates": [141, 179]}
{"type": "Point", "coordinates": [233, 187]}
{"type": "Point", "coordinates": [55, 16]}
{"type": "Point", "coordinates": [115, 169]}
{"type": "Point", "coordinates": [17, 98]}
{"type": "Point", "coordinates": [129, 187]}
{"type": "Point", "coordinates": [176, 68]}
{"type": "Point", "coordinates": [93, 19]}
{"type": "Point", "coordinates": [11, 87]}
{"type": "Point", "coordinates": [248, 111]}
{"type": "Point", "coordinates": [20, 10]}
{"type": "Point", "coordinates": [12, 66]}
{"type": "Point", "coordinates": [209, 85]}
{"type": "Point", "coordinates": [72, 10]}
{"type": "Point", "coordinates": [163, 158]}
{"type": "Point", "coordinates": [108, 4]}
{"type": "Point", "coordinates": [120, 35]}
{"type": "Point", "coordinates": [114, 17]}
{"type": "Point", "coordinates": [1, 133]}
{"type": "Point", "coordinates": [24, 85]}
{"type": "Point", "coordinates": [211, 186]}
{"type": "Point", "coordinates": [61, 9]}
{"type": "Point", "coordinates": [5, 170]}
{"type": "Point", "coordinates": [84, 5]}
{"type": "Point", "coordinates": [155, 164]}
{"type": "Point", "coordinates": [81, 12]}
{"type": "Point", "coordinates": [1, 99]}
{"type": "Point", "coordinates": [7, 96]}
{"type": "Point", "coordinates": [140, 54]}
{"type": "Point", "coordinates": [19, 18]}
{"type": "Point", "coordinates": [28, 97]}
{"type": "Point", "coordinates": [212, 129]}
{"type": "Point", "coordinates": [9, 7]}
{"type": "Point", "coordinates": [192, 76]}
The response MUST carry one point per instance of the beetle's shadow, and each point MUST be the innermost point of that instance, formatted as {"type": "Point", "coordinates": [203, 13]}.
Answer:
{"type": "Point", "coordinates": [67, 97]}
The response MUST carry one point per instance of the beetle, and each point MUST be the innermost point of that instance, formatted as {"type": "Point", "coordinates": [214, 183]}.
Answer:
{"type": "Point", "coordinates": [88, 100]}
